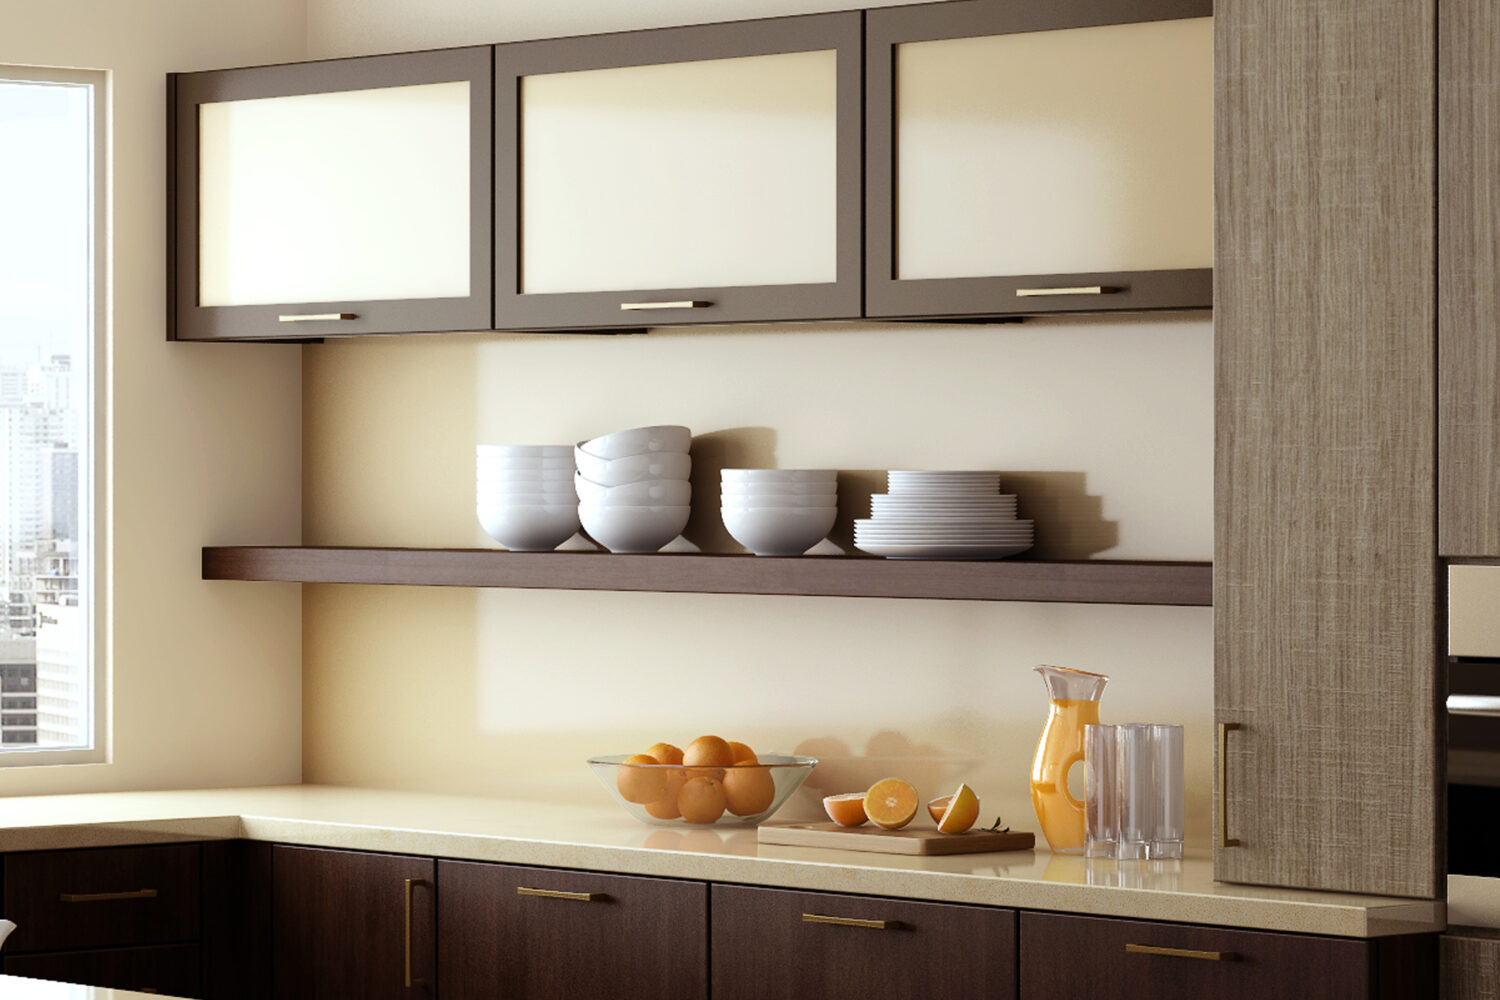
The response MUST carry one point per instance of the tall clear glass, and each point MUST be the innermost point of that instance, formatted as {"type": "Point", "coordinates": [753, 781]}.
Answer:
{"type": "Point", "coordinates": [1101, 795]}
{"type": "Point", "coordinates": [1135, 761]}
{"type": "Point", "coordinates": [1166, 840]}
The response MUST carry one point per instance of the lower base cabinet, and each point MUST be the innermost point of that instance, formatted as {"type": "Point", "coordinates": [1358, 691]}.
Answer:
{"type": "Point", "coordinates": [544, 934]}
{"type": "Point", "coordinates": [351, 924]}
{"type": "Point", "coordinates": [777, 944]}
{"type": "Point", "coordinates": [1104, 959]}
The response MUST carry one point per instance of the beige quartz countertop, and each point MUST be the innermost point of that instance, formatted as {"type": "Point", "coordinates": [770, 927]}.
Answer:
{"type": "Point", "coordinates": [17, 988]}
{"type": "Point", "coordinates": [601, 837]}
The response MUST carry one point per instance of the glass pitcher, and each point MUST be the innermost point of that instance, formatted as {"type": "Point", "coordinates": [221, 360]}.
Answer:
{"type": "Point", "coordinates": [1075, 704]}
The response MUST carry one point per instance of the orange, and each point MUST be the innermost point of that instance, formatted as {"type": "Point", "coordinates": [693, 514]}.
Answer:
{"type": "Point", "coordinates": [748, 789]}
{"type": "Point", "coordinates": [665, 807]}
{"type": "Point", "coordinates": [962, 811]}
{"type": "Point", "coordinates": [665, 752]}
{"type": "Point", "coordinates": [641, 784]}
{"type": "Point", "coordinates": [709, 751]}
{"type": "Point", "coordinates": [701, 800]}
{"type": "Point", "coordinates": [936, 806]}
{"type": "Point", "coordinates": [847, 809]}
{"type": "Point", "coordinates": [742, 753]}
{"type": "Point", "coordinates": [891, 803]}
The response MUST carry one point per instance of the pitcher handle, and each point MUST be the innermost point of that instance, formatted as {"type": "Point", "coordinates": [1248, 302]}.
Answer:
{"type": "Point", "coordinates": [1076, 757]}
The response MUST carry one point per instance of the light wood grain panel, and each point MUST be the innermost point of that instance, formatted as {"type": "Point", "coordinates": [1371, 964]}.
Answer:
{"type": "Point", "coordinates": [1470, 968]}
{"type": "Point", "coordinates": [1325, 571]}
{"type": "Point", "coordinates": [1469, 278]}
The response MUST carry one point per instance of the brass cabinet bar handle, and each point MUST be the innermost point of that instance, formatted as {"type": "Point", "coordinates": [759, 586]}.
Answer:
{"type": "Point", "coordinates": [314, 317]}
{"type": "Point", "coordinates": [103, 897]}
{"type": "Point", "coordinates": [684, 304]}
{"type": "Point", "coordinates": [410, 982]}
{"type": "Point", "coordinates": [1028, 293]}
{"type": "Point", "coordinates": [1224, 839]}
{"type": "Point", "coordinates": [879, 925]}
{"type": "Point", "coordinates": [582, 897]}
{"type": "Point", "coordinates": [1210, 956]}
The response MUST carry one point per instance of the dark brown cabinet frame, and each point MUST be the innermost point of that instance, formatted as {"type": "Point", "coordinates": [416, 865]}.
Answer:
{"type": "Point", "coordinates": [189, 321]}
{"type": "Point", "coordinates": [756, 303]}
{"type": "Point", "coordinates": [886, 296]}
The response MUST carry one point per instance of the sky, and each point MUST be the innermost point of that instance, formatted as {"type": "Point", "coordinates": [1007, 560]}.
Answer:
{"type": "Point", "coordinates": [44, 220]}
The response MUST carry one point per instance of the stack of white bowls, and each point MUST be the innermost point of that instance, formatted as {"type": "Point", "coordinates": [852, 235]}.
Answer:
{"type": "Point", "coordinates": [633, 487]}
{"type": "Point", "coordinates": [779, 512]}
{"type": "Point", "coordinates": [524, 496]}
{"type": "Point", "coordinates": [943, 515]}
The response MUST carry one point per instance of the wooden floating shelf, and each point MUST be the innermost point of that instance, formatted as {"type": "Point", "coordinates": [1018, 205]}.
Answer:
{"type": "Point", "coordinates": [1084, 582]}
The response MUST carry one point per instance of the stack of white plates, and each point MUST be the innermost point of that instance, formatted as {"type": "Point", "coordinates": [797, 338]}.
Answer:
{"type": "Point", "coordinates": [633, 486]}
{"type": "Point", "coordinates": [779, 512]}
{"type": "Point", "coordinates": [943, 515]}
{"type": "Point", "coordinates": [524, 495]}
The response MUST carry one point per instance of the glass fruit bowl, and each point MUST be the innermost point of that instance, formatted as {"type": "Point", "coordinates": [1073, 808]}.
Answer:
{"type": "Point", "coordinates": [677, 795]}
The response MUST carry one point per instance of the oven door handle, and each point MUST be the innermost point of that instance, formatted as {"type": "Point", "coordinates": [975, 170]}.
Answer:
{"type": "Point", "coordinates": [1474, 704]}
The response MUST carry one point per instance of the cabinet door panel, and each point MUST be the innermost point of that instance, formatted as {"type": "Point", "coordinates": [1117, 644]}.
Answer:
{"type": "Point", "coordinates": [765, 948]}
{"type": "Point", "coordinates": [1026, 159]}
{"type": "Point", "coordinates": [331, 198]}
{"type": "Point", "coordinates": [1469, 292]}
{"type": "Point", "coordinates": [172, 970]}
{"type": "Point", "coordinates": [707, 174]}
{"type": "Point", "coordinates": [341, 927]}
{"type": "Point", "coordinates": [1325, 569]}
{"type": "Point", "coordinates": [636, 938]}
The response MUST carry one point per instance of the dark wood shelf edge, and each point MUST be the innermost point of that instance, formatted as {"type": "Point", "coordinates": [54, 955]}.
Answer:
{"type": "Point", "coordinates": [1083, 581]}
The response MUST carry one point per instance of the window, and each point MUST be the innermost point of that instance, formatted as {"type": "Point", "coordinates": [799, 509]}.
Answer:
{"type": "Point", "coordinates": [52, 323]}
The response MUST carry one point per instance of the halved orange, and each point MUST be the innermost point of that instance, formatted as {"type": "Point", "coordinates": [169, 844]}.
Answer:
{"type": "Point", "coordinates": [847, 809]}
{"type": "Point", "coordinates": [936, 806]}
{"type": "Point", "coordinates": [962, 811]}
{"type": "Point", "coordinates": [891, 803]}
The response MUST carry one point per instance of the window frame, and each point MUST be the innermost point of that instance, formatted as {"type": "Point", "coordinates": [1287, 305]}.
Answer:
{"type": "Point", "coordinates": [94, 543]}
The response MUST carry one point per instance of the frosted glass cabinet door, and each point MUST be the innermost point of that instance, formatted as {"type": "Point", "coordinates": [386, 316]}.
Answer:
{"type": "Point", "coordinates": [330, 198]}
{"type": "Point", "coordinates": [707, 174]}
{"type": "Point", "coordinates": [1031, 158]}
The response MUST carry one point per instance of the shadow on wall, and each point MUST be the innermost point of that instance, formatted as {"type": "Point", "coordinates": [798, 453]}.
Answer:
{"type": "Point", "coordinates": [1070, 523]}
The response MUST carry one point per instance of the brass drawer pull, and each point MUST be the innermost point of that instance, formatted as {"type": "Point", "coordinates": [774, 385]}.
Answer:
{"type": "Point", "coordinates": [582, 897]}
{"type": "Point", "coordinates": [410, 982]}
{"type": "Point", "coordinates": [683, 304]}
{"type": "Point", "coordinates": [314, 317]}
{"type": "Point", "coordinates": [1210, 956]}
{"type": "Point", "coordinates": [1031, 293]}
{"type": "Point", "coordinates": [104, 897]}
{"type": "Point", "coordinates": [1224, 839]}
{"type": "Point", "coordinates": [879, 925]}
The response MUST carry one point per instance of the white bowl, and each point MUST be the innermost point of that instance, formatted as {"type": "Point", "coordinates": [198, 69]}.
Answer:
{"type": "Point", "coordinates": [564, 451]}
{"type": "Point", "coordinates": [633, 468]}
{"type": "Point", "coordinates": [639, 441]}
{"type": "Point", "coordinates": [522, 464]}
{"type": "Point", "coordinates": [633, 529]}
{"type": "Point", "coordinates": [768, 486]}
{"type": "Point", "coordinates": [779, 475]}
{"type": "Point", "coordinates": [779, 532]}
{"type": "Point", "coordinates": [795, 501]}
{"type": "Point", "coordinates": [493, 498]}
{"type": "Point", "coordinates": [646, 493]}
{"type": "Point", "coordinates": [529, 528]}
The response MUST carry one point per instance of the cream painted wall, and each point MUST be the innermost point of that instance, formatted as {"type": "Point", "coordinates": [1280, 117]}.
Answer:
{"type": "Point", "coordinates": [204, 440]}
{"type": "Point", "coordinates": [1103, 426]}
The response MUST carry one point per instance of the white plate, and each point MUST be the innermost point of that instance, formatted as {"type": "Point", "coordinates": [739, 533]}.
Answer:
{"type": "Point", "coordinates": [895, 551]}
{"type": "Point", "coordinates": [963, 500]}
{"type": "Point", "coordinates": [901, 523]}
{"type": "Point", "coordinates": [957, 536]}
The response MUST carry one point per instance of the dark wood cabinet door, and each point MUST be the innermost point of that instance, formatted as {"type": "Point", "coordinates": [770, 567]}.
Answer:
{"type": "Point", "coordinates": [774, 943]}
{"type": "Point", "coordinates": [102, 898]}
{"type": "Point", "coordinates": [1468, 278]}
{"type": "Point", "coordinates": [171, 970]}
{"type": "Point", "coordinates": [545, 934]}
{"type": "Point", "coordinates": [1103, 959]}
{"type": "Point", "coordinates": [350, 924]}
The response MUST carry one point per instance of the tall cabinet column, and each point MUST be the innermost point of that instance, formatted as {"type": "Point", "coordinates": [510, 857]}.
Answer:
{"type": "Point", "coordinates": [1325, 570]}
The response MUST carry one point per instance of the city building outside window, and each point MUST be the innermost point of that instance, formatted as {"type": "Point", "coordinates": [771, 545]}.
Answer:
{"type": "Point", "coordinates": [53, 309]}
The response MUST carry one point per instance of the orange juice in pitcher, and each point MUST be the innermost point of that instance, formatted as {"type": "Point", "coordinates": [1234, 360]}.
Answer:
{"type": "Point", "coordinates": [1074, 698]}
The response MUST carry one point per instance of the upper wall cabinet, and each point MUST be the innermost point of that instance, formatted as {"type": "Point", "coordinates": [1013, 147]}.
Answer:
{"type": "Point", "coordinates": [1027, 158]}
{"type": "Point", "coordinates": [704, 174]}
{"type": "Point", "coordinates": [329, 198]}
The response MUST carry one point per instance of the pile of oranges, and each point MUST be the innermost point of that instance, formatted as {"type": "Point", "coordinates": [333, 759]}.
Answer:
{"type": "Point", "coordinates": [892, 803]}
{"type": "Point", "coordinates": [699, 782]}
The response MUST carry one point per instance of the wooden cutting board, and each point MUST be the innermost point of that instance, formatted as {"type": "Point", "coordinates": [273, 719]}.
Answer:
{"type": "Point", "coordinates": [921, 840]}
